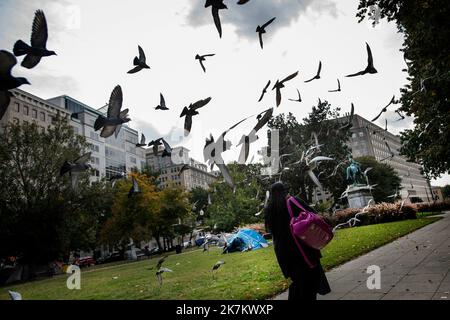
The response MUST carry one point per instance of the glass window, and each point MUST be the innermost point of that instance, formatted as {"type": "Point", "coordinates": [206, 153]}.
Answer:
{"type": "Point", "coordinates": [34, 114]}
{"type": "Point", "coordinates": [25, 110]}
{"type": "Point", "coordinates": [42, 116]}
{"type": "Point", "coordinates": [16, 107]}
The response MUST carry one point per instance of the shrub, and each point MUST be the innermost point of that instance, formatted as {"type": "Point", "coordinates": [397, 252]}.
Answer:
{"type": "Point", "coordinates": [379, 213]}
{"type": "Point", "coordinates": [433, 206]}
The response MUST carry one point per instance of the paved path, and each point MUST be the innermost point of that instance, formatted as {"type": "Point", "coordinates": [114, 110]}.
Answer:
{"type": "Point", "coordinates": [415, 266]}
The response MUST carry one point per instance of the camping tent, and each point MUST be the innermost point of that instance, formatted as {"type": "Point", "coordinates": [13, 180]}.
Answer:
{"type": "Point", "coordinates": [243, 240]}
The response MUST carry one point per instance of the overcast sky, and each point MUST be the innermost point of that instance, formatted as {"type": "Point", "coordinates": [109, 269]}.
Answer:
{"type": "Point", "coordinates": [96, 42]}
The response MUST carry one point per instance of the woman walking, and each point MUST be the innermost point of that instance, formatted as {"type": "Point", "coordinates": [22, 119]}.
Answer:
{"type": "Point", "coordinates": [307, 281]}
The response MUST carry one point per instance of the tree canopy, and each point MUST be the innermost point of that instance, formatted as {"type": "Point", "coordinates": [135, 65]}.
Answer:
{"type": "Point", "coordinates": [425, 25]}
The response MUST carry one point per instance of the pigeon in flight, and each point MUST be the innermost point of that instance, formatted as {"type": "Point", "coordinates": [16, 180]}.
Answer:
{"type": "Point", "coordinates": [338, 89]}
{"type": "Point", "coordinates": [38, 49]}
{"type": "Point", "coordinates": [402, 117]}
{"type": "Point", "coordinates": [14, 295]}
{"type": "Point", "coordinates": [189, 112]}
{"type": "Point", "coordinates": [350, 119]}
{"type": "Point", "coordinates": [117, 177]}
{"type": "Point", "coordinates": [134, 188]}
{"type": "Point", "coordinates": [7, 81]}
{"type": "Point", "coordinates": [78, 165]}
{"type": "Point", "coordinates": [114, 119]}
{"type": "Point", "coordinates": [202, 58]}
{"type": "Point", "coordinates": [384, 109]}
{"type": "Point", "coordinates": [160, 262]}
{"type": "Point", "coordinates": [142, 142]}
{"type": "Point", "coordinates": [167, 152]}
{"type": "Point", "coordinates": [216, 5]}
{"type": "Point", "coordinates": [299, 99]}
{"type": "Point", "coordinates": [317, 76]}
{"type": "Point", "coordinates": [217, 266]}
{"type": "Point", "coordinates": [390, 151]}
{"type": "Point", "coordinates": [155, 144]}
{"type": "Point", "coordinates": [183, 168]}
{"type": "Point", "coordinates": [139, 62]}
{"type": "Point", "coordinates": [159, 274]}
{"type": "Point", "coordinates": [264, 91]}
{"type": "Point", "coordinates": [162, 103]}
{"type": "Point", "coordinates": [246, 140]}
{"type": "Point", "coordinates": [370, 68]}
{"type": "Point", "coordinates": [280, 84]}
{"type": "Point", "coordinates": [261, 30]}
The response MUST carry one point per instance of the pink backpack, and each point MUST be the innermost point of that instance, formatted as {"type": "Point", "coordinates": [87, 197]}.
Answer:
{"type": "Point", "coordinates": [308, 228]}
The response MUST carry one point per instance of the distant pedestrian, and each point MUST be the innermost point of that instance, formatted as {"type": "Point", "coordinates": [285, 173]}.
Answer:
{"type": "Point", "coordinates": [306, 281]}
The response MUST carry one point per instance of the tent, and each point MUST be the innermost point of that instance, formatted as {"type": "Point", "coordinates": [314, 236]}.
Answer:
{"type": "Point", "coordinates": [243, 240]}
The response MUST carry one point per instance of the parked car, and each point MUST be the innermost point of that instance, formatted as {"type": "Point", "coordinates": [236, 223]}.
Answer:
{"type": "Point", "coordinates": [84, 262]}
{"type": "Point", "coordinates": [112, 257]}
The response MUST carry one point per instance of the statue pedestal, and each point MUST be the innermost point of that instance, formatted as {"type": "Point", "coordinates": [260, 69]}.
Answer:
{"type": "Point", "coordinates": [358, 196]}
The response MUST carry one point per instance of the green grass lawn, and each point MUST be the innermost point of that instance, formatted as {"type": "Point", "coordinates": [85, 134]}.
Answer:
{"type": "Point", "coordinates": [248, 275]}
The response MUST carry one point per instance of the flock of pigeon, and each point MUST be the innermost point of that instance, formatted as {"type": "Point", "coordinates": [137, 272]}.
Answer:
{"type": "Point", "coordinates": [116, 117]}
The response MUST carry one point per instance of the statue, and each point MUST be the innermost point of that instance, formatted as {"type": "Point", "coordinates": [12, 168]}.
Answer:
{"type": "Point", "coordinates": [353, 172]}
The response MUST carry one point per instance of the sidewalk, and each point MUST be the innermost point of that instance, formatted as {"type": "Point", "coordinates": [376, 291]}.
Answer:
{"type": "Point", "coordinates": [415, 266]}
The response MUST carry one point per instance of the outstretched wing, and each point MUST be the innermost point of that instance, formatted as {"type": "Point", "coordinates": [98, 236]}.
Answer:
{"type": "Point", "coordinates": [267, 23]}
{"type": "Point", "coordinates": [263, 120]}
{"type": "Point", "coordinates": [202, 65]}
{"type": "Point", "coordinates": [215, 14]}
{"type": "Point", "coordinates": [201, 103]}
{"type": "Point", "coordinates": [39, 32]}
{"type": "Point", "coordinates": [260, 40]}
{"type": "Point", "coordinates": [320, 68]}
{"type": "Point", "coordinates": [7, 62]}
{"type": "Point", "coordinates": [187, 125]}
{"type": "Point", "coordinates": [5, 99]}
{"type": "Point", "coordinates": [369, 55]}
{"type": "Point", "coordinates": [142, 57]}
{"type": "Point", "coordinates": [115, 103]}
{"type": "Point", "coordinates": [84, 158]}
{"type": "Point", "coordinates": [162, 102]}
{"type": "Point", "coordinates": [292, 76]}
{"type": "Point", "coordinates": [135, 69]}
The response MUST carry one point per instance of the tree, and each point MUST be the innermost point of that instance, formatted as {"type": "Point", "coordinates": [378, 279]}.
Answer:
{"type": "Point", "coordinates": [132, 217]}
{"type": "Point", "coordinates": [229, 210]}
{"type": "Point", "coordinates": [426, 28]}
{"type": "Point", "coordinates": [42, 217]}
{"type": "Point", "coordinates": [383, 176]}
{"type": "Point", "coordinates": [296, 138]}
{"type": "Point", "coordinates": [173, 210]}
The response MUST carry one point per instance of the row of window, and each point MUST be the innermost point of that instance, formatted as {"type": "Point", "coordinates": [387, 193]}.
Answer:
{"type": "Point", "coordinates": [34, 112]}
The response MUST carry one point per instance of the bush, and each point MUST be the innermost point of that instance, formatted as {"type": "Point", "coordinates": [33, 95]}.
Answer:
{"type": "Point", "coordinates": [433, 206]}
{"type": "Point", "coordinates": [379, 213]}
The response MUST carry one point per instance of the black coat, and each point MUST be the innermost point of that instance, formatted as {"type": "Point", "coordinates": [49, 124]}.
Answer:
{"type": "Point", "coordinates": [291, 261]}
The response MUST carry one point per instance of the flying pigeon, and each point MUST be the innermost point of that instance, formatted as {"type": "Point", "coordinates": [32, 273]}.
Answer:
{"type": "Point", "coordinates": [384, 109]}
{"type": "Point", "coordinates": [167, 152]}
{"type": "Point", "coordinates": [161, 261]}
{"type": "Point", "coordinates": [142, 142]}
{"type": "Point", "coordinates": [338, 89]}
{"type": "Point", "coordinates": [216, 5]}
{"type": "Point", "coordinates": [350, 119]}
{"type": "Point", "coordinates": [246, 140]}
{"type": "Point", "coordinates": [159, 274]}
{"type": "Point", "coordinates": [114, 119]}
{"type": "Point", "coordinates": [317, 76]}
{"type": "Point", "coordinates": [139, 62]}
{"type": "Point", "coordinates": [402, 117]}
{"type": "Point", "coordinates": [116, 177]}
{"type": "Point", "coordinates": [14, 295]}
{"type": "Point", "coordinates": [183, 168]}
{"type": "Point", "coordinates": [280, 84]}
{"type": "Point", "coordinates": [189, 112]}
{"type": "Point", "coordinates": [264, 91]}
{"type": "Point", "coordinates": [134, 188]}
{"type": "Point", "coordinates": [370, 68]}
{"type": "Point", "coordinates": [162, 103]}
{"type": "Point", "coordinates": [155, 144]}
{"type": "Point", "coordinates": [78, 165]}
{"type": "Point", "coordinates": [261, 30]}
{"type": "Point", "coordinates": [217, 265]}
{"type": "Point", "coordinates": [202, 58]}
{"type": "Point", "coordinates": [7, 81]}
{"type": "Point", "coordinates": [299, 99]}
{"type": "Point", "coordinates": [38, 49]}
{"type": "Point", "coordinates": [390, 151]}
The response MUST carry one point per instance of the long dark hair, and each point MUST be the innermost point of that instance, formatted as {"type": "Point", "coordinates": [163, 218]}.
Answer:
{"type": "Point", "coordinates": [276, 211]}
